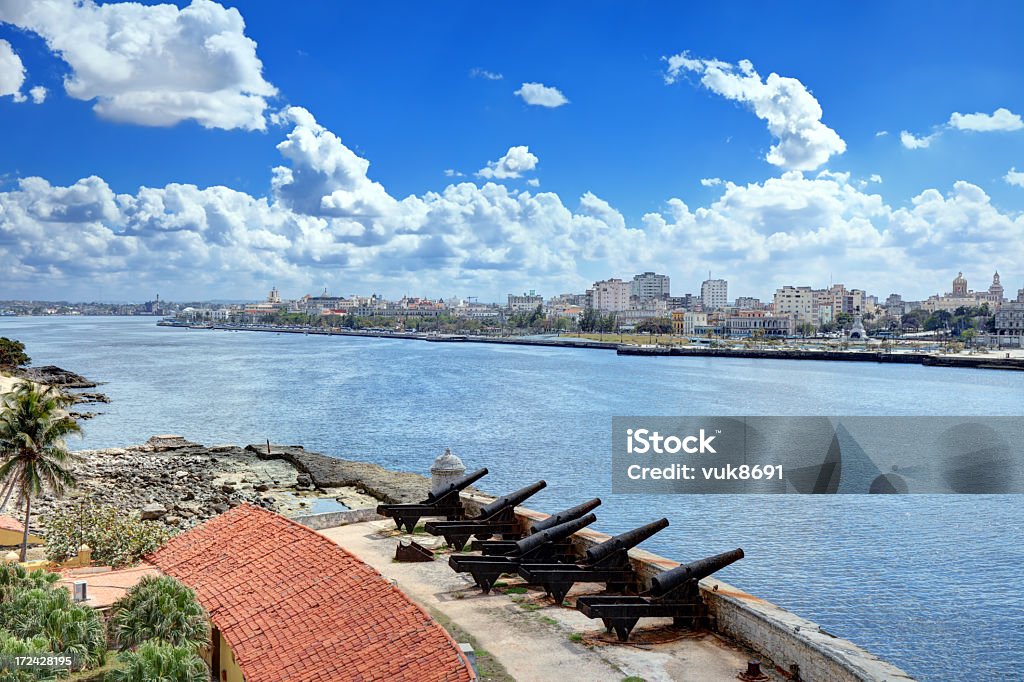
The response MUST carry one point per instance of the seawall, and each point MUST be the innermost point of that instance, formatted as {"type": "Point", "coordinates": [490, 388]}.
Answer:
{"type": "Point", "coordinates": [992, 361]}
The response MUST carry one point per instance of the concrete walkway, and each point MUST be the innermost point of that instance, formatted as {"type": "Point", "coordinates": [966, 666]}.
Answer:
{"type": "Point", "coordinates": [529, 635]}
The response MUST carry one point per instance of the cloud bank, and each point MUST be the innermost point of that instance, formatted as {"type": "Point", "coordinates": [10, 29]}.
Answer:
{"type": "Point", "coordinates": [153, 65]}
{"type": "Point", "coordinates": [325, 222]}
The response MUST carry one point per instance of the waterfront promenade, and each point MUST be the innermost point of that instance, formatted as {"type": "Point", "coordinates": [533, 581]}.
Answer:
{"type": "Point", "coordinates": [993, 359]}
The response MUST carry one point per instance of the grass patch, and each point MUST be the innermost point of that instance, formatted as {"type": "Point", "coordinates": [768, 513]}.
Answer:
{"type": "Point", "coordinates": [633, 678]}
{"type": "Point", "coordinates": [96, 674]}
{"type": "Point", "coordinates": [515, 590]}
{"type": "Point", "coordinates": [500, 583]}
{"type": "Point", "coordinates": [548, 620]}
{"type": "Point", "coordinates": [530, 606]}
{"type": "Point", "coordinates": [576, 637]}
{"type": "Point", "coordinates": [487, 667]}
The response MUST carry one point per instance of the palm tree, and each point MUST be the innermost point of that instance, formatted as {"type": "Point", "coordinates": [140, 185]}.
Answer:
{"type": "Point", "coordinates": [33, 425]}
{"type": "Point", "coordinates": [157, 661]}
{"type": "Point", "coordinates": [159, 609]}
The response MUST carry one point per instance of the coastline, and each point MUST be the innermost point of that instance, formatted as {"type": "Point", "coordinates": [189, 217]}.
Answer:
{"type": "Point", "coordinates": [1008, 361]}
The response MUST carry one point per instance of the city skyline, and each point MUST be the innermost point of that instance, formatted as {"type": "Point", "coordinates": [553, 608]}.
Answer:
{"type": "Point", "coordinates": [552, 161]}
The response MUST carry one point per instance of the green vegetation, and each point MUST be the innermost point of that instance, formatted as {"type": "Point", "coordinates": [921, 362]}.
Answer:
{"type": "Point", "coordinates": [575, 637]}
{"type": "Point", "coordinates": [633, 678]}
{"type": "Point", "coordinates": [12, 354]}
{"type": "Point", "coordinates": [33, 426]}
{"type": "Point", "coordinates": [515, 590]}
{"type": "Point", "coordinates": [159, 610]}
{"type": "Point", "coordinates": [593, 321]}
{"type": "Point", "coordinates": [654, 325]}
{"type": "Point", "coordinates": [116, 538]}
{"type": "Point", "coordinates": [154, 661]}
{"type": "Point", "coordinates": [38, 616]}
{"type": "Point", "coordinates": [159, 625]}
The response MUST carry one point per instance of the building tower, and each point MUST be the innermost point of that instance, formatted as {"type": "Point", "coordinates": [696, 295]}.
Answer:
{"type": "Point", "coordinates": [960, 285]}
{"type": "Point", "coordinates": [995, 292]}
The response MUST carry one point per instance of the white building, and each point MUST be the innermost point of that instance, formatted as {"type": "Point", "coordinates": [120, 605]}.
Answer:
{"type": "Point", "coordinates": [524, 303]}
{"type": "Point", "coordinates": [609, 296]}
{"type": "Point", "coordinates": [714, 294]}
{"type": "Point", "coordinates": [650, 285]}
{"type": "Point", "coordinates": [797, 302]}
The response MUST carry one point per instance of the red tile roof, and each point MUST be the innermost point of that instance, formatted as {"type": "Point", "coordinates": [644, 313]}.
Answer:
{"type": "Point", "coordinates": [8, 523]}
{"type": "Point", "coordinates": [296, 607]}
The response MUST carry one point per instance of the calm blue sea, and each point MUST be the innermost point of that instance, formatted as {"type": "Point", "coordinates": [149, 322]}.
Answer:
{"type": "Point", "coordinates": [932, 583]}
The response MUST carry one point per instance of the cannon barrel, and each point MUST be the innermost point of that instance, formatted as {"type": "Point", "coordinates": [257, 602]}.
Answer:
{"type": "Point", "coordinates": [695, 570]}
{"type": "Point", "coordinates": [566, 515]}
{"type": "Point", "coordinates": [625, 541]}
{"type": "Point", "coordinates": [512, 499]}
{"type": "Point", "coordinates": [460, 484]}
{"type": "Point", "coordinates": [559, 532]}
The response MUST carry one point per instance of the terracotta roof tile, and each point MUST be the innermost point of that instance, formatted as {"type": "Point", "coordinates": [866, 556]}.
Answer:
{"type": "Point", "coordinates": [8, 523]}
{"type": "Point", "coordinates": [296, 607]}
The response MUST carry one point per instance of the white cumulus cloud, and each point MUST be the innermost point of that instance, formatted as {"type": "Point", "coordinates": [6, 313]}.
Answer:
{"type": "Point", "coordinates": [515, 162]}
{"type": "Point", "coordinates": [485, 74]}
{"type": "Point", "coordinates": [153, 64]}
{"type": "Point", "coordinates": [541, 95]}
{"type": "Point", "coordinates": [38, 94]}
{"type": "Point", "coordinates": [792, 113]}
{"type": "Point", "coordinates": [12, 72]}
{"type": "Point", "coordinates": [710, 182]}
{"type": "Point", "coordinates": [911, 141]}
{"type": "Point", "coordinates": [1001, 119]}
{"type": "Point", "coordinates": [325, 221]}
{"type": "Point", "coordinates": [1014, 177]}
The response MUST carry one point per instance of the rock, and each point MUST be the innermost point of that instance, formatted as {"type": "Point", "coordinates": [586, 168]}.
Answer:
{"type": "Point", "coordinates": [261, 487]}
{"type": "Point", "coordinates": [303, 480]}
{"type": "Point", "coordinates": [228, 488]}
{"type": "Point", "coordinates": [220, 508]}
{"type": "Point", "coordinates": [55, 376]}
{"type": "Point", "coordinates": [153, 511]}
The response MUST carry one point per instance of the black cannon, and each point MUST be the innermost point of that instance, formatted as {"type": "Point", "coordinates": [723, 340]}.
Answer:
{"type": "Point", "coordinates": [606, 563]}
{"type": "Point", "coordinates": [503, 547]}
{"type": "Point", "coordinates": [674, 594]}
{"type": "Point", "coordinates": [446, 503]}
{"type": "Point", "coordinates": [538, 547]}
{"type": "Point", "coordinates": [496, 518]}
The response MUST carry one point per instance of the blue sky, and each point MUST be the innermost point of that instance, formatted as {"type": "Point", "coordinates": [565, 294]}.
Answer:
{"type": "Point", "coordinates": [403, 86]}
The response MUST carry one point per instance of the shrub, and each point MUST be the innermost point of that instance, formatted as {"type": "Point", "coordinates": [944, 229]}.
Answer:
{"type": "Point", "coordinates": [12, 353]}
{"type": "Point", "coordinates": [159, 609]}
{"type": "Point", "coordinates": [116, 538]}
{"type": "Point", "coordinates": [163, 662]}
{"type": "Point", "coordinates": [35, 611]}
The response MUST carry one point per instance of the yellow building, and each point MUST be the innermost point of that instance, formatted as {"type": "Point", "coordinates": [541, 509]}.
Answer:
{"type": "Point", "coordinates": [12, 533]}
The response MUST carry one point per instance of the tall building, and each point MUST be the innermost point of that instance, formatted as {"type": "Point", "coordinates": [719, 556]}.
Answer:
{"type": "Point", "coordinates": [525, 303]}
{"type": "Point", "coordinates": [650, 285]}
{"type": "Point", "coordinates": [274, 296]}
{"type": "Point", "coordinates": [714, 294]}
{"type": "Point", "coordinates": [609, 295]}
{"type": "Point", "coordinates": [797, 302]}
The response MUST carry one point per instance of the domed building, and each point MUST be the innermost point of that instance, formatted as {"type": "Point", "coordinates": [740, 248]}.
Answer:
{"type": "Point", "coordinates": [962, 296]}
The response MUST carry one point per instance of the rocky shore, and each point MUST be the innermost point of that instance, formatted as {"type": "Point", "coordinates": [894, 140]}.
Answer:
{"type": "Point", "coordinates": [178, 483]}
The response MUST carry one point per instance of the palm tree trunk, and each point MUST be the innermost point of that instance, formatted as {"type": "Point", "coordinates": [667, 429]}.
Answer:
{"type": "Point", "coordinates": [7, 495]}
{"type": "Point", "coordinates": [24, 543]}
